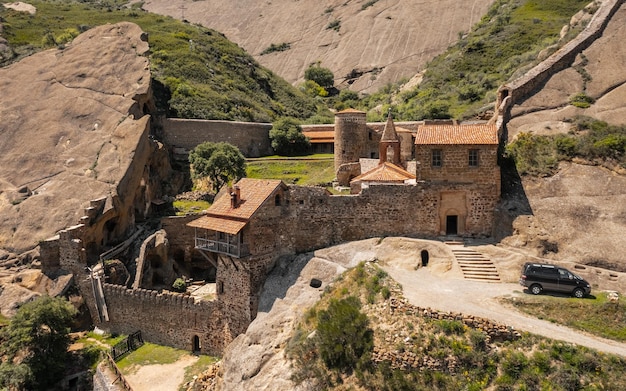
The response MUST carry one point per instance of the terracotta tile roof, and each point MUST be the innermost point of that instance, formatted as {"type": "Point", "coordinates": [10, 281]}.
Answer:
{"type": "Point", "coordinates": [221, 216]}
{"type": "Point", "coordinates": [317, 136]}
{"type": "Point", "coordinates": [221, 224]}
{"type": "Point", "coordinates": [483, 134]}
{"type": "Point", "coordinates": [385, 172]}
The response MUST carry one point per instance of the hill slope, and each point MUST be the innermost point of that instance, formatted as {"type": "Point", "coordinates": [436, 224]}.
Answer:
{"type": "Point", "coordinates": [378, 42]}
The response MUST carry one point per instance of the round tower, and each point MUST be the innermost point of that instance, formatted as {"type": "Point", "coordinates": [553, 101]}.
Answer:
{"type": "Point", "coordinates": [350, 137]}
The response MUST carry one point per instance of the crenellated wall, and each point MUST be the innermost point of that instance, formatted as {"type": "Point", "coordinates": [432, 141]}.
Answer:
{"type": "Point", "coordinates": [166, 318]}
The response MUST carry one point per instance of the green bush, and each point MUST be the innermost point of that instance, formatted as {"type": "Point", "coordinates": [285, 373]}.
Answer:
{"type": "Point", "coordinates": [581, 100]}
{"type": "Point", "coordinates": [344, 334]}
{"type": "Point", "coordinates": [179, 285]}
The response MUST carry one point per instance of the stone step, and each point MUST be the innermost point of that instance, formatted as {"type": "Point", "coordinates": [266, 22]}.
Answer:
{"type": "Point", "coordinates": [473, 264]}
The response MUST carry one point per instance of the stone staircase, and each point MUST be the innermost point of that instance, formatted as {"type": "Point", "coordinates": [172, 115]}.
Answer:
{"type": "Point", "coordinates": [473, 264]}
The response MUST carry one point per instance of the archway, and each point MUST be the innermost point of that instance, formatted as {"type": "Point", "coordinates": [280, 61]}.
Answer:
{"type": "Point", "coordinates": [425, 257]}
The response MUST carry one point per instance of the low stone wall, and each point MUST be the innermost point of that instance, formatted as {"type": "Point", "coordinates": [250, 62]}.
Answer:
{"type": "Point", "coordinates": [251, 138]}
{"type": "Point", "coordinates": [407, 360]}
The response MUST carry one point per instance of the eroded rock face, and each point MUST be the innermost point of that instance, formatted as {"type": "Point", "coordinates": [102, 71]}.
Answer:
{"type": "Point", "coordinates": [366, 46]}
{"type": "Point", "coordinates": [73, 128]}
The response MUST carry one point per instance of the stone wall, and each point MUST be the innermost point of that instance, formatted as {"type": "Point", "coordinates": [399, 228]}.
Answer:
{"type": "Point", "coordinates": [251, 138]}
{"type": "Point", "coordinates": [523, 87]}
{"type": "Point", "coordinates": [320, 219]}
{"type": "Point", "coordinates": [455, 163]}
{"type": "Point", "coordinates": [165, 318]}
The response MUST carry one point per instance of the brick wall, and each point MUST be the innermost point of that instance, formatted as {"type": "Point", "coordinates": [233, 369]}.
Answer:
{"type": "Point", "coordinates": [251, 138]}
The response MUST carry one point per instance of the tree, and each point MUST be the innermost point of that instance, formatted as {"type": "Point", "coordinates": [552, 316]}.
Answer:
{"type": "Point", "coordinates": [35, 343]}
{"type": "Point", "coordinates": [220, 162]}
{"type": "Point", "coordinates": [344, 334]}
{"type": "Point", "coordinates": [287, 137]}
{"type": "Point", "coordinates": [322, 76]}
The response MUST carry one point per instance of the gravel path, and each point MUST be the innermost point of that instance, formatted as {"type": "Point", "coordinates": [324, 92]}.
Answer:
{"type": "Point", "coordinates": [425, 289]}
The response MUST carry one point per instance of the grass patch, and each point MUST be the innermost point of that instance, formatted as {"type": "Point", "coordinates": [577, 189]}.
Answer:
{"type": "Point", "coordinates": [149, 354]}
{"type": "Point", "coordinates": [596, 316]}
{"type": "Point", "coordinates": [186, 207]}
{"type": "Point", "coordinates": [307, 170]}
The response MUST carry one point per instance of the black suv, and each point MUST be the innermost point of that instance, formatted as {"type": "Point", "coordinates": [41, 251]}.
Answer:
{"type": "Point", "coordinates": [538, 277]}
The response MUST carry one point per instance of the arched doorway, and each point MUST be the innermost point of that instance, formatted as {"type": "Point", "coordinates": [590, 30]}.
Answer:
{"type": "Point", "coordinates": [425, 257]}
{"type": "Point", "coordinates": [197, 348]}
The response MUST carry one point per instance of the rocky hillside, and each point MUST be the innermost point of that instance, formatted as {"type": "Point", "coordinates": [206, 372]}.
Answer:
{"type": "Point", "coordinates": [72, 120]}
{"type": "Point", "coordinates": [579, 214]}
{"type": "Point", "coordinates": [367, 44]}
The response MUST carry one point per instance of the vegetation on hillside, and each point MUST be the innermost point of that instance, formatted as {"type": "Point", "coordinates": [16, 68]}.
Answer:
{"type": "Point", "coordinates": [456, 357]}
{"type": "Point", "coordinates": [463, 81]}
{"type": "Point", "coordinates": [198, 72]}
{"type": "Point", "coordinates": [591, 141]}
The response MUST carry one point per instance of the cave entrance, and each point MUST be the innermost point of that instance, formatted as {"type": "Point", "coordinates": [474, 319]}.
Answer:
{"type": "Point", "coordinates": [452, 225]}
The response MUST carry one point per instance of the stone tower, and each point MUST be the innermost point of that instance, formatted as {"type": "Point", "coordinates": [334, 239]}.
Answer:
{"type": "Point", "coordinates": [350, 137]}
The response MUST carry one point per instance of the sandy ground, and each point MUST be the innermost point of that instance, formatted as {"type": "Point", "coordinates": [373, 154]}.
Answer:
{"type": "Point", "coordinates": [160, 377]}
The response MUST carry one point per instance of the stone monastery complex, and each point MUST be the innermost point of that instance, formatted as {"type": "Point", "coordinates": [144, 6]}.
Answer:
{"type": "Point", "coordinates": [424, 180]}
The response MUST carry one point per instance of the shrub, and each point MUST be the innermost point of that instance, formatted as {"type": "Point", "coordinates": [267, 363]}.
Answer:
{"type": "Point", "coordinates": [344, 334]}
{"type": "Point", "coordinates": [179, 285]}
{"type": "Point", "coordinates": [581, 100]}
{"type": "Point", "coordinates": [220, 162]}
{"type": "Point", "coordinates": [276, 48]}
{"type": "Point", "coordinates": [324, 77]}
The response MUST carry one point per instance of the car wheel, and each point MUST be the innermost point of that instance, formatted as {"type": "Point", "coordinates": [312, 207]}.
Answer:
{"type": "Point", "coordinates": [579, 293]}
{"type": "Point", "coordinates": [535, 289]}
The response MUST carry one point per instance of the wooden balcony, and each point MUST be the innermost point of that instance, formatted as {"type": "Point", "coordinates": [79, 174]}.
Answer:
{"type": "Point", "coordinates": [226, 246]}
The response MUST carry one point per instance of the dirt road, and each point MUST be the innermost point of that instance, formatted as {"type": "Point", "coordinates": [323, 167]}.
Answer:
{"type": "Point", "coordinates": [425, 289]}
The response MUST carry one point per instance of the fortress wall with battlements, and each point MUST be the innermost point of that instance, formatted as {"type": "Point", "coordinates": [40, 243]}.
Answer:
{"type": "Point", "coordinates": [251, 138]}
{"type": "Point", "coordinates": [166, 318]}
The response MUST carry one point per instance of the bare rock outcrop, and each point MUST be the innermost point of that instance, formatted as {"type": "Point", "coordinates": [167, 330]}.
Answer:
{"type": "Point", "coordinates": [366, 44]}
{"type": "Point", "coordinates": [73, 128]}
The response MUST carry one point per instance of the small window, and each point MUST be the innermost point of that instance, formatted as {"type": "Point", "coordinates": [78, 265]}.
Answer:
{"type": "Point", "coordinates": [220, 287]}
{"type": "Point", "coordinates": [369, 135]}
{"type": "Point", "coordinates": [437, 158]}
{"type": "Point", "coordinates": [277, 200]}
{"type": "Point", "coordinates": [473, 157]}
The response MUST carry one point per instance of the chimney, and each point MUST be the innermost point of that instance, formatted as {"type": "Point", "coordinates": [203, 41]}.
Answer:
{"type": "Point", "coordinates": [235, 197]}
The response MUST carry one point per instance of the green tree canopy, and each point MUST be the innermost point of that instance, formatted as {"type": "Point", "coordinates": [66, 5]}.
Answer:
{"type": "Point", "coordinates": [35, 344]}
{"type": "Point", "coordinates": [287, 137]}
{"type": "Point", "coordinates": [322, 76]}
{"type": "Point", "coordinates": [220, 162]}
